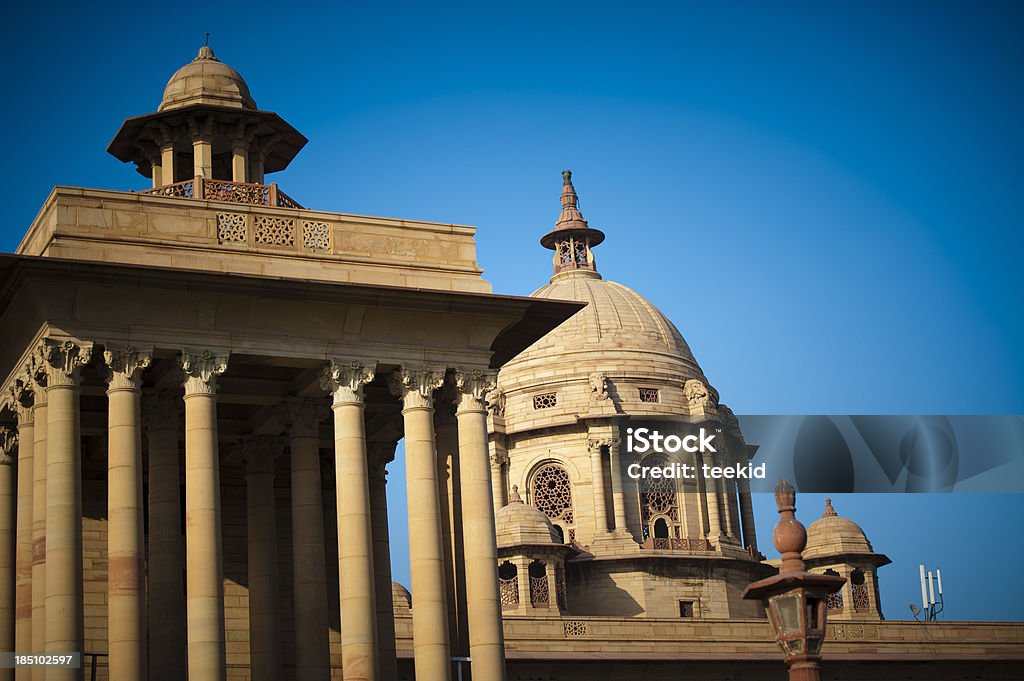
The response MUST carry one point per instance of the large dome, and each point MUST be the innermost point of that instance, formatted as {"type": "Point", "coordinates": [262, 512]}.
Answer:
{"type": "Point", "coordinates": [206, 80]}
{"type": "Point", "coordinates": [834, 535]}
{"type": "Point", "coordinates": [518, 524]}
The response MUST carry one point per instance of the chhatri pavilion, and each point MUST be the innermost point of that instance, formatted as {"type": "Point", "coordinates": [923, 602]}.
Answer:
{"type": "Point", "coordinates": [203, 386]}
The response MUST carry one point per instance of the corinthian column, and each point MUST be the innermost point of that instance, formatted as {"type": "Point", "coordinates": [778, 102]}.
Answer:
{"type": "Point", "coordinates": [258, 454]}
{"type": "Point", "coordinates": [711, 498]}
{"type": "Point", "coordinates": [39, 417]}
{"type": "Point", "coordinates": [22, 398]}
{"type": "Point", "coordinates": [381, 454]}
{"type": "Point", "coordinates": [747, 516]}
{"type": "Point", "coordinates": [8, 491]}
{"type": "Point", "coordinates": [415, 387]}
{"type": "Point", "coordinates": [126, 599]}
{"type": "Point", "coordinates": [312, 643]}
{"type": "Point", "coordinates": [203, 557]}
{"type": "Point", "coordinates": [345, 381]}
{"type": "Point", "coordinates": [166, 593]}
{"type": "Point", "coordinates": [597, 476]}
{"type": "Point", "coordinates": [618, 499]}
{"type": "Point", "coordinates": [483, 603]}
{"type": "Point", "coordinates": [64, 604]}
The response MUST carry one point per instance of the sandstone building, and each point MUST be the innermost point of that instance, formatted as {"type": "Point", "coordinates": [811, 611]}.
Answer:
{"type": "Point", "coordinates": [204, 382]}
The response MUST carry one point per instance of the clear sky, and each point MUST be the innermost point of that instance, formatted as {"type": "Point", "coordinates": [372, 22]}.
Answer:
{"type": "Point", "coordinates": [825, 197]}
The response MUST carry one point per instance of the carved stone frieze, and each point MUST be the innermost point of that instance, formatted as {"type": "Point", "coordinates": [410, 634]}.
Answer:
{"type": "Point", "coordinates": [202, 367]}
{"type": "Point", "coordinates": [302, 416]}
{"type": "Point", "coordinates": [161, 409]}
{"type": "Point", "coordinates": [416, 386]}
{"type": "Point", "coordinates": [345, 380]}
{"type": "Point", "coordinates": [8, 444]}
{"type": "Point", "coordinates": [62, 360]}
{"type": "Point", "coordinates": [124, 366]}
{"type": "Point", "coordinates": [474, 385]}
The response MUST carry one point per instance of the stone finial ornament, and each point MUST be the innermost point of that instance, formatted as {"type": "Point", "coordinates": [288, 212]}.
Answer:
{"type": "Point", "coordinates": [514, 497]}
{"type": "Point", "coordinates": [790, 535]}
{"type": "Point", "coordinates": [829, 511]}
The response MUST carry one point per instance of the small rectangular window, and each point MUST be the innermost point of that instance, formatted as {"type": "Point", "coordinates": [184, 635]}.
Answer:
{"type": "Point", "coordinates": [686, 609]}
{"type": "Point", "coordinates": [545, 400]}
{"type": "Point", "coordinates": [649, 395]}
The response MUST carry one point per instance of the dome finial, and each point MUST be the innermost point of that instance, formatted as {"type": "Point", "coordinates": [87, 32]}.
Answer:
{"type": "Point", "coordinates": [572, 238]}
{"type": "Point", "coordinates": [514, 498]}
{"type": "Point", "coordinates": [829, 511]}
{"type": "Point", "coordinates": [206, 52]}
{"type": "Point", "coordinates": [790, 535]}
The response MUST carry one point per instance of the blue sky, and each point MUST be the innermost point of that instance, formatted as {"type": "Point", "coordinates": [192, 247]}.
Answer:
{"type": "Point", "coordinates": [825, 197]}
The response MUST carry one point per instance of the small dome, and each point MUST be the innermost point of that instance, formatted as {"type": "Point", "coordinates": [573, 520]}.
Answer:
{"type": "Point", "coordinates": [833, 535]}
{"type": "Point", "coordinates": [400, 597]}
{"type": "Point", "coordinates": [206, 80]}
{"type": "Point", "coordinates": [517, 524]}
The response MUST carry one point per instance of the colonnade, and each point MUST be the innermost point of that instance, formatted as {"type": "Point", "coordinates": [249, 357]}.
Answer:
{"type": "Point", "coordinates": [181, 634]}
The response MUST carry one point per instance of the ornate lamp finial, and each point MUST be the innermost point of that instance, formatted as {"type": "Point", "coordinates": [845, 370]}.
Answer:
{"type": "Point", "coordinates": [572, 238]}
{"type": "Point", "coordinates": [566, 177]}
{"type": "Point", "coordinates": [790, 535]}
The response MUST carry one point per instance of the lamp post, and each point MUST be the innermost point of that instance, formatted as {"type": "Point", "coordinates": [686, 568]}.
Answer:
{"type": "Point", "coordinates": [795, 599]}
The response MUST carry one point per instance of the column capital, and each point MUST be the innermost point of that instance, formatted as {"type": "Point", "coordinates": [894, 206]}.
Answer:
{"type": "Point", "coordinates": [415, 386]}
{"type": "Point", "coordinates": [259, 451]}
{"type": "Point", "coordinates": [499, 458]}
{"type": "Point", "coordinates": [124, 366]}
{"type": "Point", "coordinates": [161, 409]}
{"type": "Point", "coordinates": [302, 415]}
{"type": "Point", "coordinates": [202, 367]}
{"type": "Point", "coordinates": [8, 445]}
{"type": "Point", "coordinates": [22, 398]}
{"type": "Point", "coordinates": [380, 454]}
{"type": "Point", "coordinates": [345, 380]}
{"type": "Point", "coordinates": [594, 444]}
{"type": "Point", "coordinates": [474, 386]}
{"type": "Point", "coordinates": [62, 360]}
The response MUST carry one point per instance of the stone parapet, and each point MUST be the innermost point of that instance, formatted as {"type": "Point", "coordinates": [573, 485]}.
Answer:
{"type": "Point", "coordinates": [217, 236]}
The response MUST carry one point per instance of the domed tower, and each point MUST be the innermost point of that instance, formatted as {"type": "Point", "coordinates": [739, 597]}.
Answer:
{"type": "Point", "coordinates": [560, 419]}
{"type": "Point", "coordinates": [208, 139]}
{"type": "Point", "coordinates": [838, 546]}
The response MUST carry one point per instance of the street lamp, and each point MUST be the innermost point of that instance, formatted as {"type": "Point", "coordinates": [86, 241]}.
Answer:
{"type": "Point", "coordinates": [795, 599]}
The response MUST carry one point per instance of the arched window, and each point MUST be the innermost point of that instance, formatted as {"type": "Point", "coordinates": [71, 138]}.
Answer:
{"type": "Point", "coordinates": [834, 602]}
{"type": "Point", "coordinates": [551, 492]}
{"type": "Point", "coordinates": [508, 583]}
{"type": "Point", "coordinates": [540, 595]}
{"type": "Point", "coordinates": [659, 506]}
{"type": "Point", "coordinates": [860, 591]}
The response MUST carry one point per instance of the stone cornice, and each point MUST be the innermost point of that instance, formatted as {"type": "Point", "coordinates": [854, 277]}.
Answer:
{"type": "Point", "coordinates": [202, 367]}
{"type": "Point", "coordinates": [124, 367]}
{"type": "Point", "coordinates": [415, 386]}
{"type": "Point", "coordinates": [62, 360]}
{"type": "Point", "coordinates": [345, 380]}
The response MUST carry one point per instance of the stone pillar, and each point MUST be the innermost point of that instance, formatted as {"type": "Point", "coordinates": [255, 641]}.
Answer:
{"type": "Point", "coordinates": [126, 551]}
{"type": "Point", "coordinates": [446, 436]}
{"type": "Point", "coordinates": [597, 476]}
{"type": "Point", "coordinates": [156, 171]}
{"type": "Point", "coordinates": [202, 149]}
{"type": "Point", "coordinates": [64, 588]}
{"type": "Point", "coordinates": [8, 494]}
{"type": "Point", "coordinates": [40, 417]}
{"type": "Point", "coordinates": [747, 516]}
{"type": "Point", "coordinates": [312, 644]}
{"type": "Point", "coordinates": [258, 454]}
{"type": "Point", "coordinates": [239, 161]}
{"type": "Point", "coordinates": [167, 163]}
{"type": "Point", "coordinates": [345, 381]}
{"type": "Point", "coordinates": [711, 498]}
{"type": "Point", "coordinates": [381, 454]}
{"type": "Point", "coordinates": [483, 601]}
{"type": "Point", "coordinates": [166, 593]}
{"type": "Point", "coordinates": [204, 567]}
{"type": "Point", "coordinates": [618, 501]}
{"type": "Point", "coordinates": [23, 398]}
{"type": "Point", "coordinates": [728, 501]}
{"type": "Point", "coordinates": [415, 387]}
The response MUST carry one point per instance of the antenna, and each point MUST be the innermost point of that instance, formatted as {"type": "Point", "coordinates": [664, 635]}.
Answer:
{"type": "Point", "coordinates": [207, 39]}
{"type": "Point", "coordinates": [914, 610]}
{"type": "Point", "coordinates": [929, 582]}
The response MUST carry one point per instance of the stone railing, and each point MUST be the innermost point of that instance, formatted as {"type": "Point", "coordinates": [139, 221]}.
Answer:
{"type": "Point", "coordinates": [673, 544]}
{"type": "Point", "coordinates": [223, 190]}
